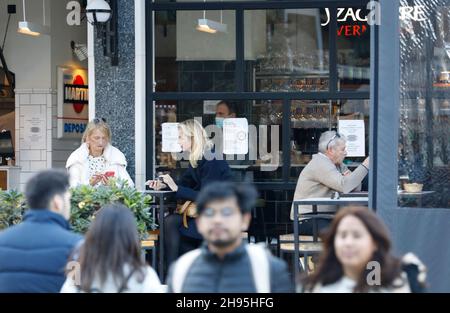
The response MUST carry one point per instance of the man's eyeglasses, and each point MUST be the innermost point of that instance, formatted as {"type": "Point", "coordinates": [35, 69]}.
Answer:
{"type": "Point", "coordinates": [332, 138]}
{"type": "Point", "coordinates": [224, 212]}
{"type": "Point", "coordinates": [98, 120]}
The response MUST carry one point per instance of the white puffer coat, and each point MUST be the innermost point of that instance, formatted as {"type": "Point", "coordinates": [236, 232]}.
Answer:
{"type": "Point", "coordinates": [78, 165]}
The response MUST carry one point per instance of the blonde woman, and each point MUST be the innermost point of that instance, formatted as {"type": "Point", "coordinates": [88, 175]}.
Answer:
{"type": "Point", "coordinates": [96, 160]}
{"type": "Point", "coordinates": [195, 145]}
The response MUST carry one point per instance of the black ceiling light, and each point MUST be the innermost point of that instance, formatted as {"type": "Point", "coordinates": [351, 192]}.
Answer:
{"type": "Point", "coordinates": [103, 15]}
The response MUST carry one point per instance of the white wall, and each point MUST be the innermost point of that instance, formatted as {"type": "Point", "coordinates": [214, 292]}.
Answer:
{"type": "Point", "coordinates": [34, 61]}
{"type": "Point", "coordinates": [28, 57]}
{"type": "Point", "coordinates": [62, 55]}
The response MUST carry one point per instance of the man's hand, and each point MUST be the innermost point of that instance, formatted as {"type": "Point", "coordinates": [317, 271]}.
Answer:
{"type": "Point", "coordinates": [366, 162]}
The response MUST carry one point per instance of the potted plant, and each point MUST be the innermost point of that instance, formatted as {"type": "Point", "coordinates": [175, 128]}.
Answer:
{"type": "Point", "coordinates": [12, 206]}
{"type": "Point", "coordinates": [86, 201]}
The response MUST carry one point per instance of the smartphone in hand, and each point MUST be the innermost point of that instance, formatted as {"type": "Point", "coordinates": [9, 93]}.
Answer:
{"type": "Point", "coordinates": [109, 174]}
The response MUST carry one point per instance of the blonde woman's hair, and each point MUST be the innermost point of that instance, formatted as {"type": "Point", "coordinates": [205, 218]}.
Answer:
{"type": "Point", "coordinates": [199, 140]}
{"type": "Point", "coordinates": [99, 124]}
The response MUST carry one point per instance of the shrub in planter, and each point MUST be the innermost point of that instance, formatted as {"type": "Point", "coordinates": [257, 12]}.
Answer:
{"type": "Point", "coordinates": [86, 201]}
{"type": "Point", "coordinates": [12, 206]}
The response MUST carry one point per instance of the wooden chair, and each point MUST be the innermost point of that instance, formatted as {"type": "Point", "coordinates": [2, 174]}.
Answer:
{"type": "Point", "coordinates": [149, 244]}
{"type": "Point", "coordinates": [308, 248]}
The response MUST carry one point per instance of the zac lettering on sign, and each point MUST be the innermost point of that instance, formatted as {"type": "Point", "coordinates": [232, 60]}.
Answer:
{"type": "Point", "coordinates": [413, 13]}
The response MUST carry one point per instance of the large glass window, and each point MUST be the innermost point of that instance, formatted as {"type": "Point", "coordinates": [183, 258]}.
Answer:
{"type": "Point", "coordinates": [288, 50]}
{"type": "Point", "coordinates": [353, 49]}
{"type": "Point", "coordinates": [424, 146]}
{"type": "Point", "coordinates": [195, 51]}
{"type": "Point", "coordinates": [262, 163]}
{"type": "Point", "coordinates": [309, 119]}
{"type": "Point", "coordinates": [284, 51]}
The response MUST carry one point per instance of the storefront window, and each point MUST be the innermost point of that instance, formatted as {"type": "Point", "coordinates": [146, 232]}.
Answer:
{"type": "Point", "coordinates": [195, 51]}
{"type": "Point", "coordinates": [288, 49]}
{"type": "Point", "coordinates": [262, 163]}
{"type": "Point", "coordinates": [353, 49]}
{"type": "Point", "coordinates": [424, 146]}
{"type": "Point", "coordinates": [309, 119]}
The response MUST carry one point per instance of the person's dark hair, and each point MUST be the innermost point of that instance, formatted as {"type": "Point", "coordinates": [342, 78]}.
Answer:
{"type": "Point", "coordinates": [245, 195]}
{"type": "Point", "coordinates": [230, 105]}
{"type": "Point", "coordinates": [111, 243]}
{"type": "Point", "coordinates": [330, 269]}
{"type": "Point", "coordinates": [43, 186]}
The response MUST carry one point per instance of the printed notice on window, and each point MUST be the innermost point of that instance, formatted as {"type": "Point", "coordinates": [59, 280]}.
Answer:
{"type": "Point", "coordinates": [353, 130]}
{"type": "Point", "coordinates": [235, 136]}
{"type": "Point", "coordinates": [170, 137]}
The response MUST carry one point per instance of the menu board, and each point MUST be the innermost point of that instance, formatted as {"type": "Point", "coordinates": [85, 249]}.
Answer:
{"type": "Point", "coordinates": [353, 130]}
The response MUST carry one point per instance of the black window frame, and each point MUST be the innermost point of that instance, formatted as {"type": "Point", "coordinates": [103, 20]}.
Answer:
{"type": "Point", "coordinates": [239, 7]}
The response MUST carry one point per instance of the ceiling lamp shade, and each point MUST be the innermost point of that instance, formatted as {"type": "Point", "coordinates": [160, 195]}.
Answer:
{"type": "Point", "coordinates": [98, 11]}
{"type": "Point", "coordinates": [210, 26]}
{"type": "Point", "coordinates": [32, 29]}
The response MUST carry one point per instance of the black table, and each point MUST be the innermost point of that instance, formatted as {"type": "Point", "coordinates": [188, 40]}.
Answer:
{"type": "Point", "coordinates": [417, 196]}
{"type": "Point", "coordinates": [315, 202]}
{"type": "Point", "coordinates": [161, 195]}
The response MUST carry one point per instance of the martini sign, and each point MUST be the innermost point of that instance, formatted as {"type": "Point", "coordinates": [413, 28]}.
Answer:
{"type": "Point", "coordinates": [73, 96]}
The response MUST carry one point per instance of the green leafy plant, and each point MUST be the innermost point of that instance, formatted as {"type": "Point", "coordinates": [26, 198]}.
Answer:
{"type": "Point", "coordinates": [86, 201]}
{"type": "Point", "coordinates": [12, 206]}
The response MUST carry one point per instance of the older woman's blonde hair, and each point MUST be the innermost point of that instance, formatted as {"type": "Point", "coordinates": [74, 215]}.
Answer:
{"type": "Point", "coordinates": [99, 124]}
{"type": "Point", "coordinates": [200, 142]}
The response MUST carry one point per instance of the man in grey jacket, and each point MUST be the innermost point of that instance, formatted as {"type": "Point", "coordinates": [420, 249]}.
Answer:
{"type": "Point", "coordinates": [326, 174]}
{"type": "Point", "coordinates": [226, 264]}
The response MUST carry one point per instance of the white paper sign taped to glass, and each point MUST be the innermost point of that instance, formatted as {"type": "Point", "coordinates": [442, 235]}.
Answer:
{"type": "Point", "coordinates": [235, 136]}
{"type": "Point", "coordinates": [353, 130]}
{"type": "Point", "coordinates": [170, 137]}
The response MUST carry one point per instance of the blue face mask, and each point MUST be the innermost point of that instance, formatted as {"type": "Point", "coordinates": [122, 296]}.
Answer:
{"type": "Point", "coordinates": [219, 122]}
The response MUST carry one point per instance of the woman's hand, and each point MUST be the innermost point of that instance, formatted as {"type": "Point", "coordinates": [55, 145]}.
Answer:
{"type": "Point", "coordinates": [169, 181]}
{"type": "Point", "coordinates": [156, 184]}
{"type": "Point", "coordinates": [95, 179]}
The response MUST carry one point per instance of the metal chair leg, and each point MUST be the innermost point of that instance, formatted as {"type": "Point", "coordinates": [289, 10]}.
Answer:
{"type": "Point", "coordinates": [154, 257]}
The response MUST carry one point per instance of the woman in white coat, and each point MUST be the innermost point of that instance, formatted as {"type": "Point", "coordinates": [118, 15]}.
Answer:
{"type": "Point", "coordinates": [96, 160]}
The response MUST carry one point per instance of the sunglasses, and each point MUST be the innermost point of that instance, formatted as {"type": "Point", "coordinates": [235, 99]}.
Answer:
{"type": "Point", "coordinates": [332, 138]}
{"type": "Point", "coordinates": [98, 120]}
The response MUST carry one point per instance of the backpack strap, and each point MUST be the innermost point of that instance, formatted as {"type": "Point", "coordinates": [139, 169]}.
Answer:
{"type": "Point", "coordinates": [181, 268]}
{"type": "Point", "coordinates": [259, 260]}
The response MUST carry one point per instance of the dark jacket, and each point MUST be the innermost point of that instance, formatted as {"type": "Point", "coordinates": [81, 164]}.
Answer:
{"type": "Point", "coordinates": [34, 253]}
{"type": "Point", "coordinates": [209, 274]}
{"type": "Point", "coordinates": [194, 179]}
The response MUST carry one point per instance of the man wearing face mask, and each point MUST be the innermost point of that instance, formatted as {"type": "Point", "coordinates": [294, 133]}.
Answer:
{"type": "Point", "coordinates": [224, 110]}
{"type": "Point", "coordinates": [227, 110]}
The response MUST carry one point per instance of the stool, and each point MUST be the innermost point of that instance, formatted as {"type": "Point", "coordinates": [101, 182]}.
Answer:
{"type": "Point", "coordinates": [150, 244]}
{"type": "Point", "coordinates": [307, 248]}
